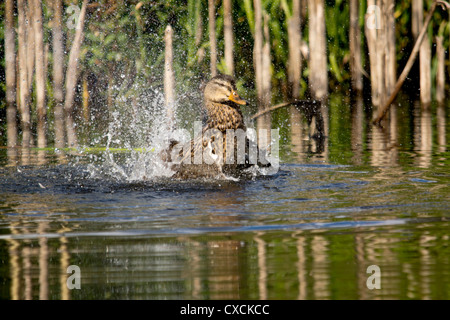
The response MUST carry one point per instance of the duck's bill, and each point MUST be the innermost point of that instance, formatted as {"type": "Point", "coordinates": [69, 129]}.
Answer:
{"type": "Point", "coordinates": [237, 99]}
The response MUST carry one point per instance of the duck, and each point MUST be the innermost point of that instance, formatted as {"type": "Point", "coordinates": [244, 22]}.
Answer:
{"type": "Point", "coordinates": [206, 156]}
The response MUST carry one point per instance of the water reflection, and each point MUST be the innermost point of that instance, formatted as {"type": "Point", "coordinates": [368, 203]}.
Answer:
{"type": "Point", "coordinates": [26, 156]}
{"type": "Point", "coordinates": [43, 261]}
{"type": "Point", "coordinates": [23, 156]}
{"type": "Point", "coordinates": [304, 234]}
{"type": "Point", "coordinates": [264, 125]}
{"type": "Point", "coordinates": [64, 264]}
{"type": "Point", "coordinates": [319, 132]}
{"type": "Point", "coordinates": [422, 135]}
{"type": "Point", "coordinates": [357, 130]}
{"type": "Point", "coordinates": [393, 133]}
{"type": "Point", "coordinates": [320, 267]}
{"type": "Point", "coordinates": [222, 255]}
{"type": "Point", "coordinates": [441, 134]}
{"type": "Point", "coordinates": [296, 122]}
{"type": "Point", "coordinates": [309, 136]}
{"type": "Point", "coordinates": [265, 265]}
{"type": "Point", "coordinates": [360, 257]}
{"type": "Point", "coordinates": [309, 131]}
{"type": "Point", "coordinates": [383, 141]}
{"type": "Point", "coordinates": [12, 157]}
{"type": "Point", "coordinates": [301, 265]}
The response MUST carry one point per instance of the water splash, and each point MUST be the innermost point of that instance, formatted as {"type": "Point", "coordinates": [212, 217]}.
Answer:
{"type": "Point", "coordinates": [137, 133]}
{"type": "Point", "coordinates": [139, 130]}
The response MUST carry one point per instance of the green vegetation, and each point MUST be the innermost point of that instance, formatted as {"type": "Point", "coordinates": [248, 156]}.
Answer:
{"type": "Point", "coordinates": [122, 54]}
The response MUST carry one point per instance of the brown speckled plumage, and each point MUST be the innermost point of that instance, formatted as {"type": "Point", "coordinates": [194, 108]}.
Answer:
{"type": "Point", "coordinates": [222, 104]}
{"type": "Point", "coordinates": [223, 117]}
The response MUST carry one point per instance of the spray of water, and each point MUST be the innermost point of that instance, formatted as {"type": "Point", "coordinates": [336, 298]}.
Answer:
{"type": "Point", "coordinates": [137, 133]}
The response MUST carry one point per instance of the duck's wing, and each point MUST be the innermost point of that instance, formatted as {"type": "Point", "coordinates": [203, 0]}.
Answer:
{"type": "Point", "coordinates": [213, 149]}
{"type": "Point", "coordinates": [204, 149]}
{"type": "Point", "coordinates": [198, 159]}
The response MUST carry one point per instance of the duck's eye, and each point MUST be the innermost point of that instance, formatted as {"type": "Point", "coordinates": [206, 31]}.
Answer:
{"type": "Point", "coordinates": [235, 94]}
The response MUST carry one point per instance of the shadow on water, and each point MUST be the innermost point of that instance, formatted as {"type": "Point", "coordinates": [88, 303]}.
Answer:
{"type": "Point", "coordinates": [353, 197]}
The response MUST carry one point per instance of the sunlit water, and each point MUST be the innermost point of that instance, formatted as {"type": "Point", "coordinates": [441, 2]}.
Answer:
{"type": "Point", "coordinates": [308, 232]}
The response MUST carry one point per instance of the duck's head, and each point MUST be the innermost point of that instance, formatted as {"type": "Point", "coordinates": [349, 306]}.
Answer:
{"type": "Point", "coordinates": [222, 89]}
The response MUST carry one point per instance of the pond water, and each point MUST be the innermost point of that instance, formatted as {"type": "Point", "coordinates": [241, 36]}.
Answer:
{"type": "Point", "coordinates": [366, 196]}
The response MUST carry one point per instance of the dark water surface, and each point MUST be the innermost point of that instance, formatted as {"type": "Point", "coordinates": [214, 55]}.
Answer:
{"type": "Point", "coordinates": [309, 232]}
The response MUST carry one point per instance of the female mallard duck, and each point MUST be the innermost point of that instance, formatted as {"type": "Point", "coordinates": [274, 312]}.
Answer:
{"type": "Point", "coordinates": [207, 155]}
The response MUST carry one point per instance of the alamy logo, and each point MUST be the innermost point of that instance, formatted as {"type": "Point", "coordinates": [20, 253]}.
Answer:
{"type": "Point", "coordinates": [374, 281]}
{"type": "Point", "coordinates": [72, 21]}
{"type": "Point", "coordinates": [74, 281]}
{"type": "Point", "coordinates": [237, 151]}
{"type": "Point", "coordinates": [373, 17]}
